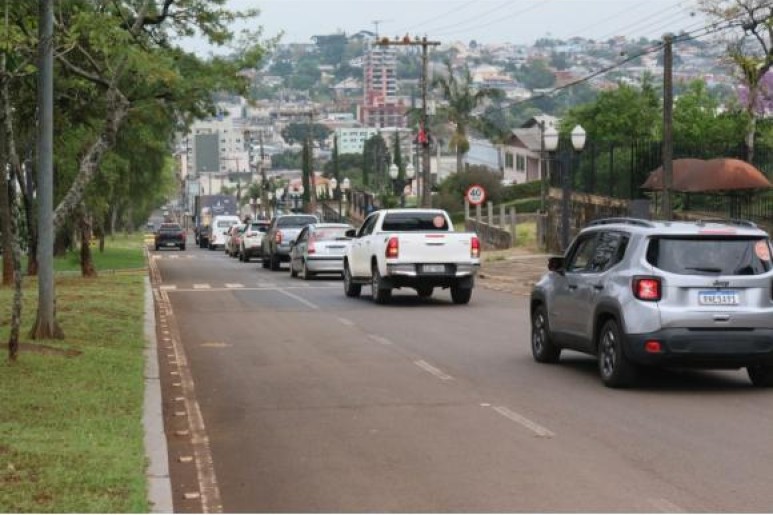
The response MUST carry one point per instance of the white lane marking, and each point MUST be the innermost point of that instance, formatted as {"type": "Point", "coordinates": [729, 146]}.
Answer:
{"type": "Point", "coordinates": [168, 287]}
{"type": "Point", "coordinates": [298, 298]}
{"type": "Point", "coordinates": [525, 422]}
{"type": "Point", "coordinates": [209, 288]}
{"type": "Point", "coordinates": [432, 370]}
{"type": "Point", "coordinates": [201, 287]}
{"type": "Point", "coordinates": [234, 285]}
{"type": "Point", "coordinates": [380, 339]}
{"type": "Point", "coordinates": [666, 506]}
{"type": "Point", "coordinates": [346, 321]}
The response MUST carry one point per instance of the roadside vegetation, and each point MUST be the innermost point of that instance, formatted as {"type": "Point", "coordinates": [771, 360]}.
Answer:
{"type": "Point", "coordinates": [71, 434]}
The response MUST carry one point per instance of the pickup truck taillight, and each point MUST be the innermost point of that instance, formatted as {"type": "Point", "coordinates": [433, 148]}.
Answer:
{"type": "Point", "coordinates": [278, 237]}
{"type": "Point", "coordinates": [474, 247]}
{"type": "Point", "coordinates": [393, 247]}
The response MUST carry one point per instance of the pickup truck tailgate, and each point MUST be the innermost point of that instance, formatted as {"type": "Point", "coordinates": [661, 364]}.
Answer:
{"type": "Point", "coordinates": [434, 247]}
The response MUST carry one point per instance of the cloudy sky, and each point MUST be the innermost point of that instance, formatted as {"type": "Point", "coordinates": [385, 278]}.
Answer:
{"type": "Point", "coordinates": [486, 21]}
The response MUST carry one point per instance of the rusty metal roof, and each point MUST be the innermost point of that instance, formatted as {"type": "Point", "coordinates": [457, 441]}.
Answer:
{"type": "Point", "coordinates": [699, 175]}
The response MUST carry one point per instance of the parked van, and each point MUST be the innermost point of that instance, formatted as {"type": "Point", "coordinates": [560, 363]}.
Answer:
{"type": "Point", "coordinates": [220, 226]}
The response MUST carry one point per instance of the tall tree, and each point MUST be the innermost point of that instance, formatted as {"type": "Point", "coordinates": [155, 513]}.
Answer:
{"type": "Point", "coordinates": [749, 49]}
{"type": "Point", "coordinates": [462, 99]}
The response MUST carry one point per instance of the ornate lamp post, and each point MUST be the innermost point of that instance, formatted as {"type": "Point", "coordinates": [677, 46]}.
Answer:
{"type": "Point", "coordinates": [399, 183]}
{"type": "Point", "coordinates": [550, 138]}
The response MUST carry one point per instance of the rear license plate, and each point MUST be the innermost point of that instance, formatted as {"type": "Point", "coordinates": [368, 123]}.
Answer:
{"type": "Point", "coordinates": [718, 298]}
{"type": "Point", "coordinates": [433, 269]}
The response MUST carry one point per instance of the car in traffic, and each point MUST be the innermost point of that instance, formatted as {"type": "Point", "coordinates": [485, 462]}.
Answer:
{"type": "Point", "coordinates": [282, 230]}
{"type": "Point", "coordinates": [233, 239]}
{"type": "Point", "coordinates": [319, 249]}
{"type": "Point", "coordinates": [638, 293]}
{"type": "Point", "coordinates": [252, 240]}
{"type": "Point", "coordinates": [220, 226]}
{"type": "Point", "coordinates": [169, 234]}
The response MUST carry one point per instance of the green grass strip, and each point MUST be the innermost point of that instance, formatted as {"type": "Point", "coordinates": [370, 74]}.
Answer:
{"type": "Point", "coordinates": [71, 434]}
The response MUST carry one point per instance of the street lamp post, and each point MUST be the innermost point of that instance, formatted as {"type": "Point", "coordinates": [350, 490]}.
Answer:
{"type": "Point", "coordinates": [343, 190]}
{"type": "Point", "coordinates": [550, 138]}
{"type": "Point", "coordinates": [398, 183]}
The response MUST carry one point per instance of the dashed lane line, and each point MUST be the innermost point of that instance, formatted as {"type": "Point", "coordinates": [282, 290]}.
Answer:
{"type": "Point", "coordinates": [433, 370]}
{"type": "Point", "coordinates": [525, 422]}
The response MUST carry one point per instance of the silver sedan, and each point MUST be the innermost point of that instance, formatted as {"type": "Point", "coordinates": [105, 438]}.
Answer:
{"type": "Point", "coordinates": [319, 249]}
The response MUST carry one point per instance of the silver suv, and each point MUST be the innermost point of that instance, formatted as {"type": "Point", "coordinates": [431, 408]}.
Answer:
{"type": "Point", "coordinates": [636, 293]}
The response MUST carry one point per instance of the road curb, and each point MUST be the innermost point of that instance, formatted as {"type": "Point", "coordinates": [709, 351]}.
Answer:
{"type": "Point", "coordinates": [159, 483]}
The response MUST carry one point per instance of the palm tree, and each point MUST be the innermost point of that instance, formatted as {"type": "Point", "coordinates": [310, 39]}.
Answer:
{"type": "Point", "coordinates": [463, 99]}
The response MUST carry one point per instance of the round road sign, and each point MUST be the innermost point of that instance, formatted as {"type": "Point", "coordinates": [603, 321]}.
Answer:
{"type": "Point", "coordinates": [475, 195]}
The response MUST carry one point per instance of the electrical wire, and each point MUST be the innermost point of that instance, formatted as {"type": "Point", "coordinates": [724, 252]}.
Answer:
{"type": "Point", "coordinates": [412, 28]}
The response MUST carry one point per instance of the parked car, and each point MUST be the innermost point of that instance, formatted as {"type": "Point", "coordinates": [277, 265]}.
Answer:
{"type": "Point", "coordinates": [639, 293]}
{"type": "Point", "coordinates": [169, 235]}
{"type": "Point", "coordinates": [233, 239]}
{"type": "Point", "coordinates": [319, 248]}
{"type": "Point", "coordinates": [283, 230]}
{"type": "Point", "coordinates": [252, 239]}
{"type": "Point", "coordinates": [220, 227]}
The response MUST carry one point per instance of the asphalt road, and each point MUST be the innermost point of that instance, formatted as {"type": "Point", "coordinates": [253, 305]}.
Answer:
{"type": "Point", "coordinates": [286, 396]}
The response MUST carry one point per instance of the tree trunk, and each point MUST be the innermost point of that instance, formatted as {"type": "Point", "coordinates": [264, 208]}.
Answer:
{"type": "Point", "coordinates": [27, 186]}
{"type": "Point", "coordinates": [84, 228]}
{"type": "Point", "coordinates": [749, 139]}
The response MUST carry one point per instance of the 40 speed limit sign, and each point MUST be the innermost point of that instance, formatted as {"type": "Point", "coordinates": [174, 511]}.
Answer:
{"type": "Point", "coordinates": [475, 195]}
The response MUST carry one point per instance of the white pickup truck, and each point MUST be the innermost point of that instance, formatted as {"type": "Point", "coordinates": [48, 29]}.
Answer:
{"type": "Point", "coordinates": [413, 248]}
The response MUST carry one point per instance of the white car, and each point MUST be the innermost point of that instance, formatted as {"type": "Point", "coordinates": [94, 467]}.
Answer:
{"type": "Point", "coordinates": [252, 240]}
{"type": "Point", "coordinates": [319, 249]}
{"type": "Point", "coordinates": [220, 226]}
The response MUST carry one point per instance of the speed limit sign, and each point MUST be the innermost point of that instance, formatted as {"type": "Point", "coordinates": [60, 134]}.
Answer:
{"type": "Point", "coordinates": [475, 195]}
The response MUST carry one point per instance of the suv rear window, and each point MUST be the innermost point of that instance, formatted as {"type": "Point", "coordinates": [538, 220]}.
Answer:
{"type": "Point", "coordinates": [295, 221]}
{"type": "Point", "coordinates": [710, 256]}
{"type": "Point", "coordinates": [170, 228]}
{"type": "Point", "coordinates": [425, 222]}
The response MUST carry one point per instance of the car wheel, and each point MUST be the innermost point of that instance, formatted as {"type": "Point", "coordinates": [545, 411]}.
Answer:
{"type": "Point", "coordinates": [350, 289]}
{"type": "Point", "coordinates": [182, 247]}
{"type": "Point", "coordinates": [761, 375]}
{"type": "Point", "coordinates": [460, 295]}
{"type": "Point", "coordinates": [264, 262]}
{"type": "Point", "coordinates": [425, 292]}
{"type": "Point", "coordinates": [542, 348]}
{"type": "Point", "coordinates": [615, 368]}
{"type": "Point", "coordinates": [378, 291]}
{"type": "Point", "coordinates": [274, 262]}
{"type": "Point", "coordinates": [305, 274]}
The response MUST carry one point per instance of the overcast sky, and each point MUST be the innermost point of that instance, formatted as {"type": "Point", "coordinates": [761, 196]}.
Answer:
{"type": "Point", "coordinates": [486, 21]}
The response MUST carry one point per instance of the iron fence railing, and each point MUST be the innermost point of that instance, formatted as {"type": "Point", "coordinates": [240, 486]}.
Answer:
{"type": "Point", "coordinates": [618, 170]}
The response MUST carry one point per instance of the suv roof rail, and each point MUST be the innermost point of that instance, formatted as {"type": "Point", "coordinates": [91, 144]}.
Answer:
{"type": "Point", "coordinates": [731, 221]}
{"type": "Point", "coordinates": [623, 220]}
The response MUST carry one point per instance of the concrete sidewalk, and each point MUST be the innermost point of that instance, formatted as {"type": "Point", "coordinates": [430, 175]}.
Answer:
{"type": "Point", "coordinates": [512, 271]}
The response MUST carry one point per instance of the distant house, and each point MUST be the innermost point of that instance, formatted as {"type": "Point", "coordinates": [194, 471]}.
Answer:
{"type": "Point", "coordinates": [521, 153]}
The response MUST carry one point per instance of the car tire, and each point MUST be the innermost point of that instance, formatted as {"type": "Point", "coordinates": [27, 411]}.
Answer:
{"type": "Point", "coordinates": [274, 262]}
{"type": "Point", "coordinates": [350, 288]}
{"type": "Point", "coordinates": [425, 292]}
{"type": "Point", "coordinates": [616, 370]}
{"type": "Point", "coordinates": [380, 293]}
{"type": "Point", "coordinates": [182, 247]}
{"type": "Point", "coordinates": [542, 347]}
{"type": "Point", "coordinates": [264, 262]}
{"type": "Point", "coordinates": [305, 274]}
{"type": "Point", "coordinates": [461, 295]}
{"type": "Point", "coordinates": [761, 376]}
{"type": "Point", "coordinates": [293, 272]}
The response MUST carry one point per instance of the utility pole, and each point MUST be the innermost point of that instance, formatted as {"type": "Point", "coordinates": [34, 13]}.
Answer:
{"type": "Point", "coordinates": [668, 108]}
{"type": "Point", "coordinates": [423, 137]}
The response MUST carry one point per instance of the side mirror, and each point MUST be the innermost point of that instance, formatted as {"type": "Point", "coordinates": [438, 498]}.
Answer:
{"type": "Point", "coordinates": [351, 233]}
{"type": "Point", "coordinates": [556, 264]}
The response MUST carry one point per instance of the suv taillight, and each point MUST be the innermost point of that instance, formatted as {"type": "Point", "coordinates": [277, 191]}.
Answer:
{"type": "Point", "coordinates": [278, 237]}
{"type": "Point", "coordinates": [393, 247]}
{"type": "Point", "coordinates": [474, 247]}
{"type": "Point", "coordinates": [647, 288]}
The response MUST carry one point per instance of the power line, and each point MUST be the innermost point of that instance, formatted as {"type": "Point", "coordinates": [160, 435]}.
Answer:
{"type": "Point", "coordinates": [439, 16]}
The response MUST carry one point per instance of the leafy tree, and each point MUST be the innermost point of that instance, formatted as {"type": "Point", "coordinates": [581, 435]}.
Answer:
{"type": "Point", "coordinates": [462, 101]}
{"type": "Point", "coordinates": [306, 74]}
{"type": "Point", "coordinates": [697, 119]}
{"type": "Point", "coordinates": [536, 75]}
{"type": "Point", "coordinates": [751, 51]}
{"type": "Point", "coordinates": [298, 132]}
{"type": "Point", "coordinates": [287, 160]}
{"type": "Point", "coordinates": [331, 48]}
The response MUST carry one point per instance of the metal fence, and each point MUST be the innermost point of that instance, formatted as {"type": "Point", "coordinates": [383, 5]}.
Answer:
{"type": "Point", "coordinates": [618, 170]}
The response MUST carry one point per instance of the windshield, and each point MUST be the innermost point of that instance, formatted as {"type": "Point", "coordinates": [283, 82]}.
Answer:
{"type": "Point", "coordinates": [296, 221]}
{"type": "Point", "coordinates": [423, 221]}
{"type": "Point", "coordinates": [710, 256]}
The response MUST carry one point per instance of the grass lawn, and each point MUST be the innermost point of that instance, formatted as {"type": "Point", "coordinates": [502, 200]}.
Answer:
{"type": "Point", "coordinates": [71, 434]}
